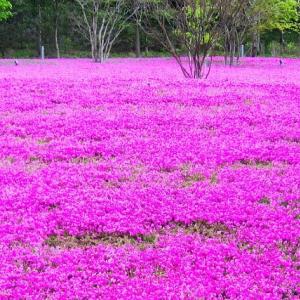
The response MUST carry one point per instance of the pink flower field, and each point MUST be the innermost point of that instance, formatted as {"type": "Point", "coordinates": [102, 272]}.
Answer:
{"type": "Point", "coordinates": [125, 180]}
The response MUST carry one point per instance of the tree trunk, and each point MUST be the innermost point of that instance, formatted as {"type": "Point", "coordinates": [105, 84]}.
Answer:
{"type": "Point", "coordinates": [101, 53]}
{"type": "Point", "coordinates": [232, 52]}
{"type": "Point", "coordinates": [137, 40]}
{"type": "Point", "coordinates": [226, 51]}
{"type": "Point", "coordinates": [56, 29]}
{"type": "Point", "coordinates": [238, 47]}
{"type": "Point", "coordinates": [281, 43]}
{"type": "Point", "coordinates": [255, 44]}
{"type": "Point", "coordinates": [94, 51]}
{"type": "Point", "coordinates": [238, 54]}
{"type": "Point", "coordinates": [39, 27]}
{"type": "Point", "coordinates": [231, 47]}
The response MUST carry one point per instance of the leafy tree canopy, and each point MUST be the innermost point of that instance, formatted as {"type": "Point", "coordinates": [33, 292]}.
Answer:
{"type": "Point", "coordinates": [5, 7]}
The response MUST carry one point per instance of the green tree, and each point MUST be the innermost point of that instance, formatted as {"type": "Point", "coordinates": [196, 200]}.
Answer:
{"type": "Point", "coordinates": [281, 15]}
{"type": "Point", "coordinates": [5, 7]}
{"type": "Point", "coordinates": [278, 15]}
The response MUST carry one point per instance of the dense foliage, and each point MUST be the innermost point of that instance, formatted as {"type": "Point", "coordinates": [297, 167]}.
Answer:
{"type": "Point", "coordinates": [5, 8]}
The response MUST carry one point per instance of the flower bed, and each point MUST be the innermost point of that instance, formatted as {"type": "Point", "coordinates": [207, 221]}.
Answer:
{"type": "Point", "coordinates": [127, 181]}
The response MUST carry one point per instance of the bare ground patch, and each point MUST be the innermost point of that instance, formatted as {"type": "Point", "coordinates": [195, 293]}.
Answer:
{"type": "Point", "coordinates": [7, 161]}
{"type": "Point", "coordinates": [89, 240]}
{"type": "Point", "coordinates": [255, 163]}
{"type": "Point", "coordinates": [290, 250]}
{"type": "Point", "coordinates": [203, 228]}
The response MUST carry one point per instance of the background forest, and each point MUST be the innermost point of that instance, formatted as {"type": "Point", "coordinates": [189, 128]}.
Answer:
{"type": "Point", "coordinates": [264, 27]}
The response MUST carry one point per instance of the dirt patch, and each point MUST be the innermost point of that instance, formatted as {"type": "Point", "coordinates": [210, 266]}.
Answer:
{"type": "Point", "coordinates": [43, 141]}
{"type": "Point", "coordinates": [7, 161]}
{"type": "Point", "coordinates": [265, 201]}
{"type": "Point", "coordinates": [34, 164]}
{"type": "Point", "coordinates": [160, 271]}
{"type": "Point", "coordinates": [89, 240]}
{"type": "Point", "coordinates": [208, 230]}
{"type": "Point", "coordinates": [290, 250]}
{"type": "Point", "coordinates": [191, 179]}
{"type": "Point", "coordinates": [86, 159]}
{"type": "Point", "coordinates": [33, 160]}
{"type": "Point", "coordinates": [203, 228]}
{"type": "Point", "coordinates": [256, 163]}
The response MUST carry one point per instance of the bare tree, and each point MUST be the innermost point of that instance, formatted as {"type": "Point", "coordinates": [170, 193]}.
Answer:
{"type": "Point", "coordinates": [188, 29]}
{"type": "Point", "coordinates": [56, 14]}
{"type": "Point", "coordinates": [235, 21]}
{"type": "Point", "coordinates": [39, 25]}
{"type": "Point", "coordinates": [101, 23]}
{"type": "Point", "coordinates": [137, 17]}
